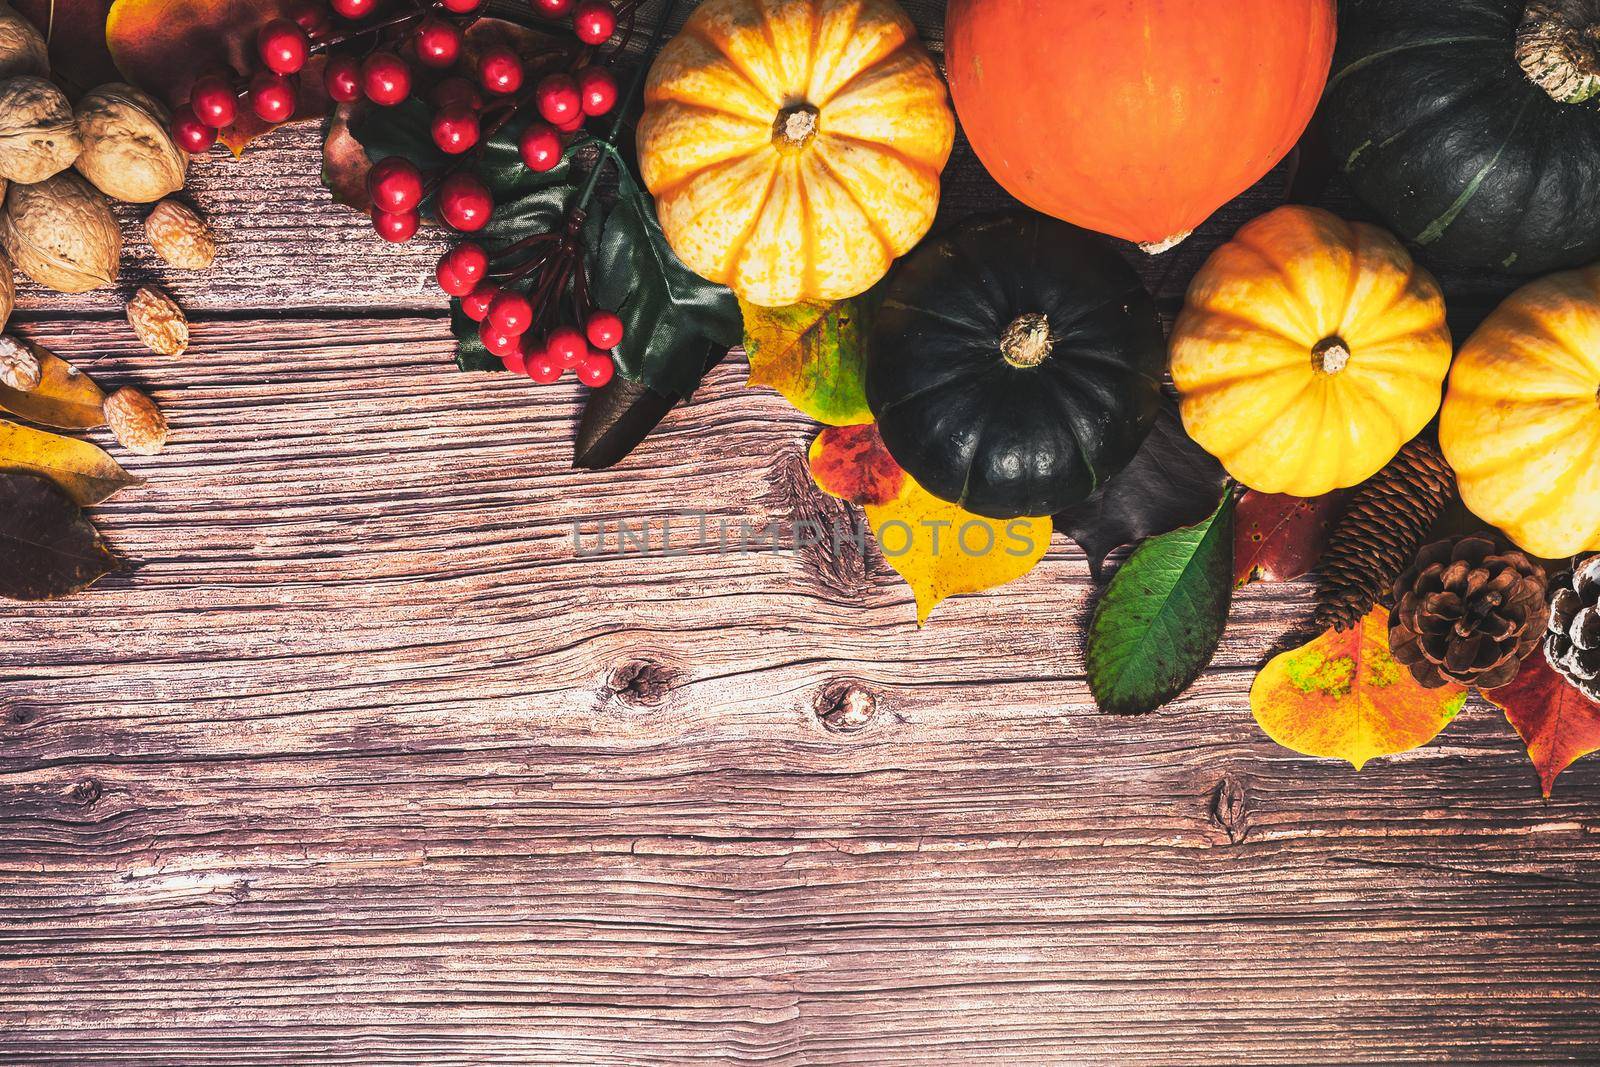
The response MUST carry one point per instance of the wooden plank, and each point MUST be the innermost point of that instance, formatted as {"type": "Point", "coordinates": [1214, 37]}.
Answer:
{"type": "Point", "coordinates": [364, 763]}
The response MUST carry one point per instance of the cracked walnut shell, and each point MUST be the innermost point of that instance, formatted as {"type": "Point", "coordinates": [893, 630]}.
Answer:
{"type": "Point", "coordinates": [38, 134]}
{"type": "Point", "coordinates": [135, 421]}
{"type": "Point", "coordinates": [180, 236]}
{"type": "Point", "coordinates": [19, 367]}
{"type": "Point", "coordinates": [61, 233]}
{"type": "Point", "coordinates": [127, 152]}
{"type": "Point", "coordinates": [159, 321]}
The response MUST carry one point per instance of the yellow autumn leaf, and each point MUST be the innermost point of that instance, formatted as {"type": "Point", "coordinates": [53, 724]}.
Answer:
{"type": "Point", "coordinates": [942, 550]}
{"type": "Point", "coordinates": [65, 397]}
{"type": "Point", "coordinates": [86, 473]}
{"type": "Point", "coordinates": [814, 354]}
{"type": "Point", "coordinates": [1343, 696]}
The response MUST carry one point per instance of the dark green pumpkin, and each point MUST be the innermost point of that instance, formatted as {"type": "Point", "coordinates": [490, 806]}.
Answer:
{"type": "Point", "coordinates": [1015, 365]}
{"type": "Point", "coordinates": [1434, 112]}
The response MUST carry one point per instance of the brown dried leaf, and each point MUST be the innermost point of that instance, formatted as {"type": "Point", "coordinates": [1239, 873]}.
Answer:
{"type": "Point", "coordinates": [86, 473]}
{"type": "Point", "coordinates": [65, 397]}
{"type": "Point", "coordinates": [47, 548]}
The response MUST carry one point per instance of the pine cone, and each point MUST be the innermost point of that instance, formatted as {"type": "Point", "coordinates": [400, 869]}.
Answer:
{"type": "Point", "coordinates": [1467, 611]}
{"type": "Point", "coordinates": [1573, 644]}
{"type": "Point", "coordinates": [1380, 532]}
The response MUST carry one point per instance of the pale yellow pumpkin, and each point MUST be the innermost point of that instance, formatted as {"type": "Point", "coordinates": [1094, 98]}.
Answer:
{"type": "Point", "coordinates": [1521, 418]}
{"type": "Point", "coordinates": [794, 146]}
{"type": "Point", "coordinates": [1310, 350]}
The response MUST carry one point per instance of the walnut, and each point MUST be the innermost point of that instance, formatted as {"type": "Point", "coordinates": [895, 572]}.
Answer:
{"type": "Point", "coordinates": [19, 367]}
{"type": "Point", "coordinates": [38, 135]}
{"type": "Point", "coordinates": [135, 421]}
{"type": "Point", "coordinates": [22, 50]}
{"type": "Point", "coordinates": [159, 321]}
{"type": "Point", "coordinates": [61, 233]}
{"type": "Point", "coordinates": [127, 152]}
{"type": "Point", "coordinates": [180, 236]}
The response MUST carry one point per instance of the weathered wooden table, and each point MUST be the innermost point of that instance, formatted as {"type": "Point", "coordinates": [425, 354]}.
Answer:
{"type": "Point", "coordinates": [364, 764]}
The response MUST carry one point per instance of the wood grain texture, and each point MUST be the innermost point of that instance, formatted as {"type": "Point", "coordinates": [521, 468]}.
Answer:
{"type": "Point", "coordinates": [365, 763]}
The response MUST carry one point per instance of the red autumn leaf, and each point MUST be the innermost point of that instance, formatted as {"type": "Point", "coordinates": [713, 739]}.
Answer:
{"type": "Point", "coordinates": [76, 33]}
{"type": "Point", "coordinates": [850, 462]}
{"type": "Point", "coordinates": [1279, 538]}
{"type": "Point", "coordinates": [162, 46]}
{"type": "Point", "coordinates": [344, 161]}
{"type": "Point", "coordinates": [1557, 722]}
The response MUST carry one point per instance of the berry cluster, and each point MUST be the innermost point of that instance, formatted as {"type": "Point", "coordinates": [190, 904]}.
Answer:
{"type": "Point", "coordinates": [419, 48]}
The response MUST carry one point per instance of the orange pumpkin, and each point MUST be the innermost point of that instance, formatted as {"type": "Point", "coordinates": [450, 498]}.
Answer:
{"type": "Point", "coordinates": [1138, 118]}
{"type": "Point", "coordinates": [794, 146]}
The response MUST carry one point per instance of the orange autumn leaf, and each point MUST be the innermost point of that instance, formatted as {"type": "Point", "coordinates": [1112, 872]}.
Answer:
{"type": "Point", "coordinates": [1557, 722]}
{"type": "Point", "coordinates": [851, 463]}
{"type": "Point", "coordinates": [163, 45]}
{"type": "Point", "coordinates": [1343, 696]}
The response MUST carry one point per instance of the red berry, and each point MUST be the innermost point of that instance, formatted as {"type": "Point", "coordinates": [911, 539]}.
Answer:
{"type": "Point", "coordinates": [597, 90]}
{"type": "Point", "coordinates": [353, 9]}
{"type": "Point", "coordinates": [396, 226]}
{"type": "Point", "coordinates": [543, 369]}
{"type": "Point", "coordinates": [468, 260]}
{"type": "Point", "coordinates": [309, 16]}
{"type": "Point", "coordinates": [552, 9]}
{"type": "Point", "coordinates": [596, 370]}
{"type": "Point", "coordinates": [272, 97]}
{"type": "Point", "coordinates": [500, 70]}
{"type": "Point", "coordinates": [282, 46]}
{"type": "Point", "coordinates": [461, 7]}
{"type": "Point", "coordinates": [604, 330]}
{"type": "Point", "coordinates": [572, 125]}
{"type": "Point", "coordinates": [452, 283]}
{"type": "Point", "coordinates": [385, 78]}
{"type": "Point", "coordinates": [213, 101]}
{"type": "Point", "coordinates": [464, 202]}
{"type": "Point", "coordinates": [516, 361]}
{"type": "Point", "coordinates": [497, 341]}
{"type": "Point", "coordinates": [456, 90]}
{"type": "Point", "coordinates": [395, 184]}
{"type": "Point", "coordinates": [455, 128]}
{"type": "Point", "coordinates": [475, 305]}
{"type": "Point", "coordinates": [438, 43]}
{"type": "Point", "coordinates": [192, 135]}
{"type": "Point", "coordinates": [510, 313]}
{"type": "Point", "coordinates": [557, 98]}
{"type": "Point", "coordinates": [594, 21]}
{"type": "Point", "coordinates": [540, 146]}
{"type": "Point", "coordinates": [342, 78]}
{"type": "Point", "coordinates": [566, 346]}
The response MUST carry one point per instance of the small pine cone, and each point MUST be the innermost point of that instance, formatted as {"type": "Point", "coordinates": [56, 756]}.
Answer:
{"type": "Point", "coordinates": [1573, 643]}
{"type": "Point", "coordinates": [1467, 611]}
{"type": "Point", "coordinates": [1380, 532]}
{"type": "Point", "coordinates": [19, 367]}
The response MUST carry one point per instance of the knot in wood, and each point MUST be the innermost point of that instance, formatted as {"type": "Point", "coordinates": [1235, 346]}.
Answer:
{"type": "Point", "coordinates": [640, 683]}
{"type": "Point", "coordinates": [85, 793]}
{"type": "Point", "coordinates": [1230, 809]}
{"type": "Point", "coordinates": [845, 707]}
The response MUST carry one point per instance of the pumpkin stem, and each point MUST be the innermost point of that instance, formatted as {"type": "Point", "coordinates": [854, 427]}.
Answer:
{"type": "Point", "coordinates": [1026, 342]}
{"type": "Point", "coordinates": [1331, 355]}
{"type": "Point", "coordinates": [1155, 248]}
{"type": "Point", "coordinates": [795, 126]}
{"type": "Point", "coordinates": [1558, 46]}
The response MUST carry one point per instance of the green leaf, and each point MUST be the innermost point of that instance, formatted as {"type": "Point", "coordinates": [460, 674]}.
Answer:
{"type": "Point", "coordinates": [814, 354]}
{"type": "Point", "coordinates": [1161, 619]}
{"type": "Point", "coordinates": [674, 321]}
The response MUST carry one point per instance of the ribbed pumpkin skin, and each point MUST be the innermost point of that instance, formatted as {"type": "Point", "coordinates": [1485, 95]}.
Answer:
{"type": "Point", "coordinates": [1521, 418]}
{"type": "Point", "coordinates": [777, 222]}
{"type": "Point", "coordinates": [1441, 131]}
{"type": "Point", "coordinates": [972, 428]}
{"type": "Point", "coordinates": [1246, 352]}
{"type": "Point", "coordinates": [1136, 118]}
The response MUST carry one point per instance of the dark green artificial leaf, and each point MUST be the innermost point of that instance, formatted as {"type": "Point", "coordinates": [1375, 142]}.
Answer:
{"type": "Point", "coordinates": [618, 417]}
{"type": "Point", "coordinates": [1160, 621]}
{"type": "Point", "coordinates": [1171, 482]}
{"type": "Point", "coordinates": [47, 548]}
{"type": "Point", "coordinates": [673, 319]}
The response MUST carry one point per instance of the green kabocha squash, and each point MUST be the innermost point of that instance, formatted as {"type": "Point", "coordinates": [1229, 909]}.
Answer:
{"type": "Point", "coordinates": [1015, 365]}
{"type": "Point", "coordinates": [1473, 126]}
